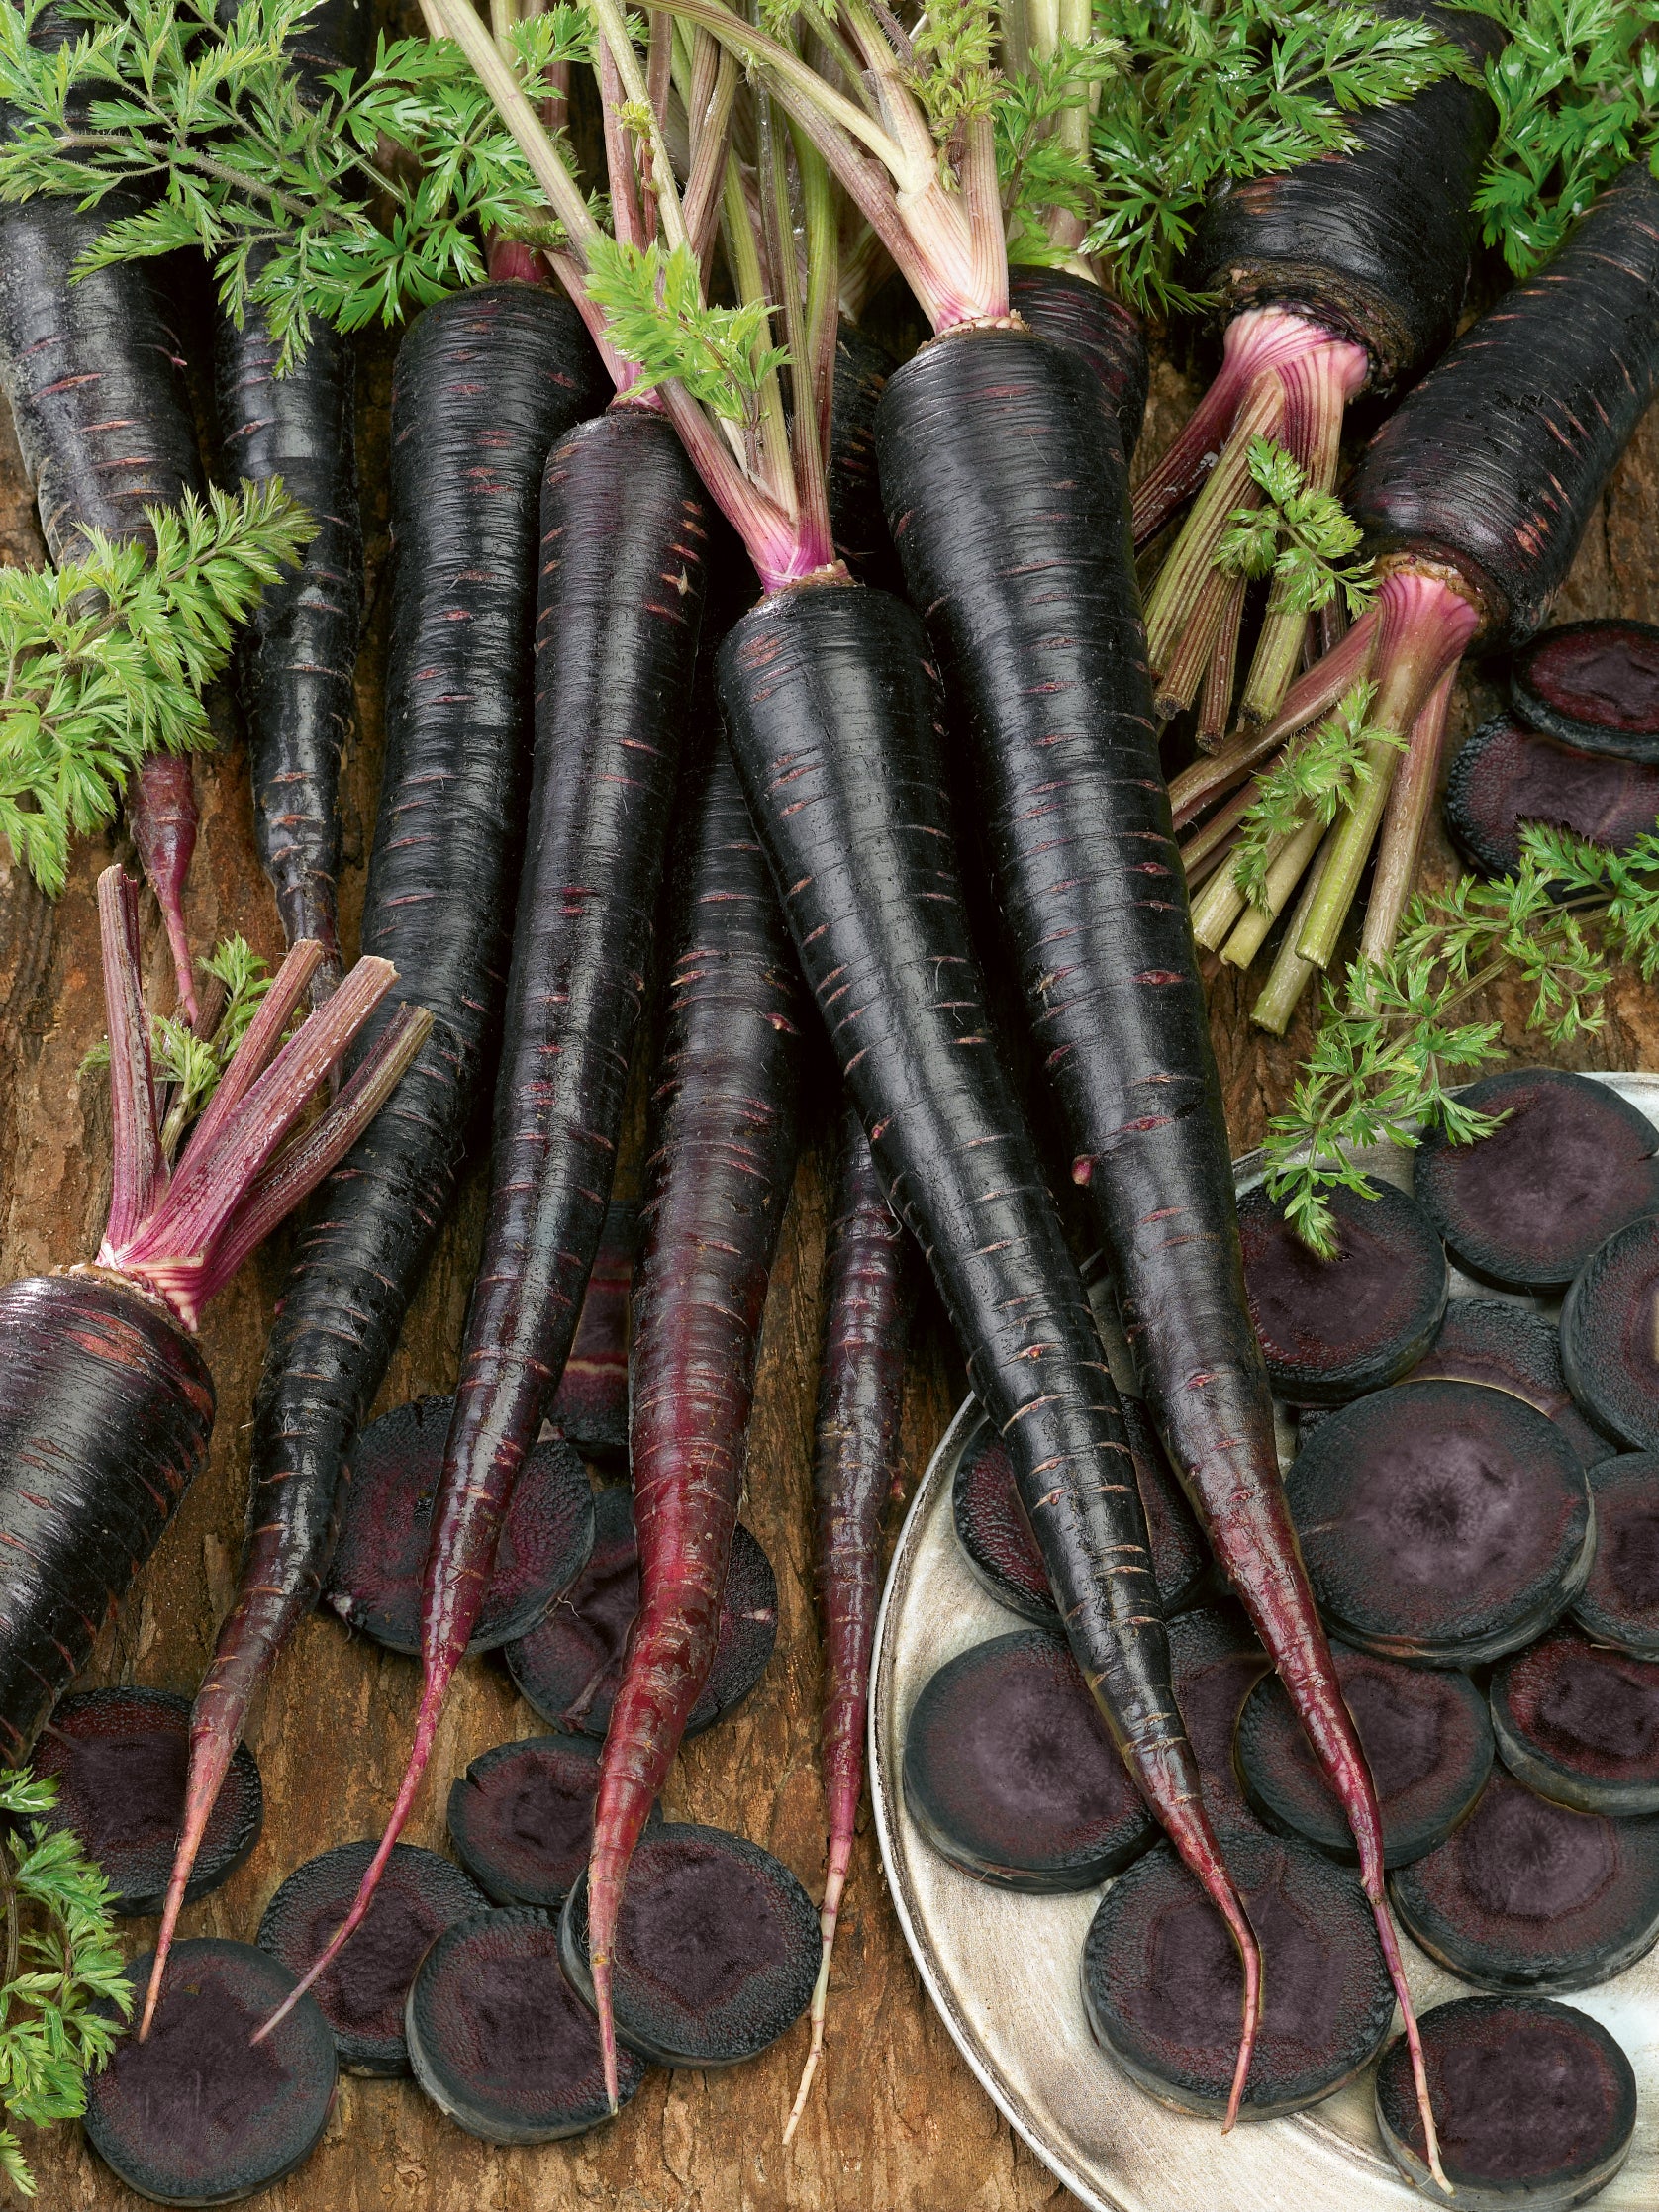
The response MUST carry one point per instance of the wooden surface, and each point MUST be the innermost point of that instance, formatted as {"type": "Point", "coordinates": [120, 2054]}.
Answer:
{"type": "Point", "coordinates": [897, 2120]}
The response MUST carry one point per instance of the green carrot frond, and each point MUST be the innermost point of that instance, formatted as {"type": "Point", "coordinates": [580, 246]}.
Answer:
{"type": "Point", "coordinates": [1301, 537]}
{"type": "Point", "coordinates": [187, 1065]}
{"type": "Point", "coordinates": [59, 1929]}
{"type": "Point", "coordinates": [1039, 172]}
{"type": "Point", "coordinates": [1577, 94]}
{"type": "Point", "coordinates": [654, 304]}
{"type": "Point", "coordinates": [1318, 776]}
{"type": "Point", "coordinates": [1394, 1042]}
{"type": "Point", "coordinates": [103, 662]}
{"type": "Point", "coordinates": [285, 192]}
{"type": "Point", "coordinates": [955, 77]}
{"type": "Point", "coordinates": [1222, 89]}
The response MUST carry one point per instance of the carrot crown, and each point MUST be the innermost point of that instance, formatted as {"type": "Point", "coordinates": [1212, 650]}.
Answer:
{"type": "Point", "coordinates": [182, 1232]}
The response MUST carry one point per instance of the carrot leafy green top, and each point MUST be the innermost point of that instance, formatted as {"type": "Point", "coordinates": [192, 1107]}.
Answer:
{"type": "Point", "coordinates": [1210, 90]}
{"type": "Point", "coordinates": [270, 181]}
{"type": "Point", "coordinates": [1392, 1040]}
{"type": "Point", "coordinates": [64, 1983]}
{"type": "Point", "coordinates": [104, 660]}
{"type": "Point", "coordinates": [1577, 94]}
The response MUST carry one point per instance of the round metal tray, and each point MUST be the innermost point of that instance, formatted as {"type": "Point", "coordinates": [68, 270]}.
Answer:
{"type": "Point", "coordinates": [1002, 1968]}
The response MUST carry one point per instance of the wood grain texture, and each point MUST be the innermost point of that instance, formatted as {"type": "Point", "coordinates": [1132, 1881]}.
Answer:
{"type": "Point", "coordinates": [897, 2120]}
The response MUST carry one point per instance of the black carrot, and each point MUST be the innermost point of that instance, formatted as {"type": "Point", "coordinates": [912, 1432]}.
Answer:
{"type": "Point", "coordinates": [717, 1182]}
{"type": "Point", "coordinates": [619, 605]}
{"type": "Point", "coordinates": [106, 1404]}
{"type": "Point", "coordinates": [296, 668]}
{"type": "Point", "coordinates": [833, 716]}
{"type": "Point", "coordinates": [855, 1465]}
{"type": "Point", "coordinates": [484, 384]}
{"type": "Point", "coordinates": [104, 430]}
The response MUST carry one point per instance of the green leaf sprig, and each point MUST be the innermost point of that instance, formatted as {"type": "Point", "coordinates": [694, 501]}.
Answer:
{"type": "Point", "coordinates": [1303, 539]}
{"type": "Point", "coordinates": [654, 307]}
{"type": "Point", "coordinates": [103, 660]}
{"type": "Point", "coordinates": [292, 192]}
{"type": "Point", "coordinates": [1223, 90]}
{"type": "Point", "coordinates": [1577, 93]}
{"type": "Point", "coordinates": [1393, 1043]}
{"type": "Point", "coordinates": [62, 1969]}
{"type": "Point", "coordinates": [187, 1062]}
{"type": "Point", "coordinates": [1038, 170]}
{"type": "Point", "coordinates": [1319, 775]}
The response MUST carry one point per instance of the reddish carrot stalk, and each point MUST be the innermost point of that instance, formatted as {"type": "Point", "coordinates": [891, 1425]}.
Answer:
{"type": "Point", "coordinates": [106, 1404]}
{"type": "Point", "coordinates": [855, 1472]}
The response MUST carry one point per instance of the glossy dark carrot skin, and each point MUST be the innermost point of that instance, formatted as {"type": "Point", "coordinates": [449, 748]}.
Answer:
{"type": "Point", "coordinates": [1374, 244]}
{"type": "Point", "coordinates": [1108, 336]}
{"type": "Point", "coordinates": [867, 1270]}
{"type": "Point", "coordinates": [619, 603]}
{"type": "Point", "coordinates": [1026, 582]}
{"type": "Point", "coordinates": [296, 663]}
{"type": "Point", "coordinates": [485, 382]}
{"type": "Point", "coordinates": [833, 713]}
{"type": "Point", "coordinates": [1497, 461]}
{"type": "Point", "coordinates": [856, 523]}
{"type": "Point", "coordinates": [103, 429]}
{"type": "Point", "coordinates": [855, 1460]}
{"type": "Point", "coordinates": [717, 1182]}
{"type": "Point", "coordinates": [106, 1406]}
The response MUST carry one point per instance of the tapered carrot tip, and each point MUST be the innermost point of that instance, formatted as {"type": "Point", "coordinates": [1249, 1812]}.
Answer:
{"type": "Point", "coordinates": [600, 1965]}
{"type": "Point", "coordinates": [1414, 2040]}
{"type": "Point", "coordinates": [1250, 1955]}
{"type": "Point", "coordinates": [815, 2049]}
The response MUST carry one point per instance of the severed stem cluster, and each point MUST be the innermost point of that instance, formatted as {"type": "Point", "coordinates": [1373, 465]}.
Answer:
{"type": "Point", "coordinates": [180, 1233]}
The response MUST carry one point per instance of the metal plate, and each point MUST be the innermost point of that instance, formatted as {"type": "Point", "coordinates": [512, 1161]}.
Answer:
{"type": "Point", "coordinates": [1003, 1968]}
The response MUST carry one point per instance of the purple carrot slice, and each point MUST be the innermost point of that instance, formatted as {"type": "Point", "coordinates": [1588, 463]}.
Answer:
{"type": "Point", "coordinates": [1620, 1603]}
{"type": "Point", "coordinates": [995, 1533]}
{"type": "Point", "coordinates": [1160, 1980]}
{"type": "Point", "coordinates": [119, 1758]}
{"type": "Point", "coordinates": [374, 1579]}
{"type": "Point", "coordinates": [1426, 1734]}
{"type": "Point", "coordinates": [362, 1995]}
{"type": "Point", "coordinates": [1507, 775]}
{"type": "Point", "coordinates": [1570, 1162]}
{"type": "Point", "coordinates": [1594, 685]}
{"type": "Point", "coordinates": [1509, 1347]}
{"type": "Point", "coordinates": [1009, 1773]}
{"type": "Point", "coordinates": [591, 1403]}
{"type": "Point", "coordinates": [501, 2042]}
{"type": "Point", "coordinates": [1442, 1523]}
{"type": "Point", "coordinates": [1580, 1723]}
{"type": "Point", "coordinates": [521, 1818]}
{"type": "Point", "coordinates": [1527, 1895]}
{"type": "Point", "coordinates": [1609, 1335]}
{"type": "Point", "coordinates": [568, 1666]}
{"type": "Point", "coordinates": [1534, 2102]}
{"type": "Point", "coordinates": [717, 1947]}
{"type": "Point", "coordinates": [198, 2113]}
{"type": "Point", "coordinates": [1330, 1329]}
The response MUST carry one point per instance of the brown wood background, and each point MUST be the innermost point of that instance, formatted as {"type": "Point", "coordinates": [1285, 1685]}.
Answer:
{"type": "Point", "coordinates": [897, 2120]}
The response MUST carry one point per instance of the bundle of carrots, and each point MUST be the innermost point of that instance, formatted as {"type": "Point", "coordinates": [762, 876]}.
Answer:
{"type": "Point", "coordinates": [648, 619]}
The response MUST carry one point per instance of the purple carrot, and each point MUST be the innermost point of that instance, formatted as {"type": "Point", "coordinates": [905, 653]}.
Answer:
{"type": "Point", "coordinates": [855, 1469]}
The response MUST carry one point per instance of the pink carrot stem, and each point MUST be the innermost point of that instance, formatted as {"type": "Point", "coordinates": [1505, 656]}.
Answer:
{"type": "Point", "coordinates": [137, 1138]}
{"type": "Point", "coordinates": [161, 815]}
